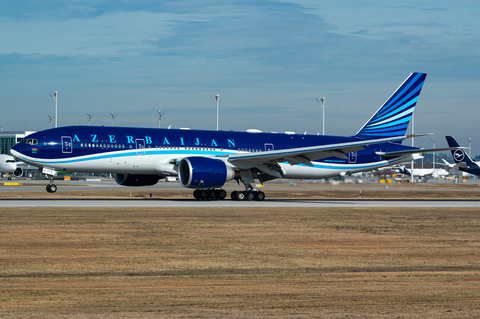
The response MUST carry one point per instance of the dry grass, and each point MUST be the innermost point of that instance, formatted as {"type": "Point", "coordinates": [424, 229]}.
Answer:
{"type": "Point", "coordinates": [234, 262]}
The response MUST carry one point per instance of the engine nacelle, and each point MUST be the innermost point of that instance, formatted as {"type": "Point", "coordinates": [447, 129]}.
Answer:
{"type": "Point", "coordinates": [18, 172]}
{"type": "Point", "coordinates": [203, 172]}
{"type": "Point", "coordinates": [136, 179]}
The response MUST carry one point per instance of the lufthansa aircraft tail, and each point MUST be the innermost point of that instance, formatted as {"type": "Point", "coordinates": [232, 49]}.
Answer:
{"type": "Point", "coordinates": [458, 155]}
{"type": "Point", "coordinates": [393, 117]}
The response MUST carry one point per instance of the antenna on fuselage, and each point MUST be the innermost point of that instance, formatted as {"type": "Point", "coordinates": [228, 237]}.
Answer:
{"type": "Point", "coordinates": [160, 114]}
{"type": "Point", "coordinates": [90, 116]}
{"type": "Point", "coordinates": [54, 95]}
{"type": "Point", "coordinates": [113, 117]}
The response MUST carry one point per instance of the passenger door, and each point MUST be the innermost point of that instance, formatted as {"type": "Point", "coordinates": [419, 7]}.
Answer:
{"type": "Point", "coordinates": [140, 144]}
{"type": "Point", "coordinates": [66, 144]}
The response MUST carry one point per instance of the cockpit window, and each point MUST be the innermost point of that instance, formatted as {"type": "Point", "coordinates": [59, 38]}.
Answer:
{"type": "Point", "coordinates": [30, 141]}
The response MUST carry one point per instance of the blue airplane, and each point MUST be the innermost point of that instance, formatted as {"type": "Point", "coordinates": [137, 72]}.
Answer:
{"type": "Point", "coordinates": [206, 160]}
{"type": "Point", "coordinates": [463, 162]}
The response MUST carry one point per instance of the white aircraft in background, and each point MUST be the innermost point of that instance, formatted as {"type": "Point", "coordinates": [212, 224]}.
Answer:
{"type": "Point", "coordinates": [9, 165]}
{"type": "Point", "coordinates": [423, 172]}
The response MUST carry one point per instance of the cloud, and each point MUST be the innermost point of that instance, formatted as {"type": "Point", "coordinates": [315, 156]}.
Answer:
{"type": "Point", "coordinates": [268, 60]}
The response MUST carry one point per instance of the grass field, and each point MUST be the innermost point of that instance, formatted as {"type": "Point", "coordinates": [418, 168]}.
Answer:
{"type": "Point", "coordinates": [239, 263]}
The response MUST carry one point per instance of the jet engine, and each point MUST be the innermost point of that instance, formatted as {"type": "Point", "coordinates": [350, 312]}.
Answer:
{"type": "Point", "coordinates": [18, 172]}
{"type": "Point", "coordinates": [136, 179]}
{"type": "Point", "coordinates": [203, 172]}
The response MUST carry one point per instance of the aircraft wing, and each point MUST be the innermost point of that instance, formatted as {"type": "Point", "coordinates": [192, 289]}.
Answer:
{"type": "Point", "coordinates": [304, 155]}
{"type": "Point", "coordinates": [417, 151]}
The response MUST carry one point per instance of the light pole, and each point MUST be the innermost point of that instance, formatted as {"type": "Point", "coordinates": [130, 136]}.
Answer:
{"type": "Point", "coordinates": [216, 98]}
{"type": "Point", "coordinates": [54, 95]}
{"type": "Point", "coordinates": [469, 146]}
{"type": "Point", "coordinates": [113, 116]}
{"type": "Point", "coordinates": [50, 120]}
{"type": "Point", "coordinates": [433, 140]}
{"type": "Point", "coordinates": [421, 146]}
{"type": "Point", "coordinates": [412, 180]}
{"type": "Point", "coordinates": [322, 101]}
{"type": "Point", "coordinates": [160, 114]}
{"type": "Point", "coordinates": [89, 118]}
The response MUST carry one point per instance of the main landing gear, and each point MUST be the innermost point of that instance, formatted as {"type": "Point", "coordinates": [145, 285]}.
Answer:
{"type": "Point", "coordinates": [216, 194]}
{"type": "Point", "coordinates": [51, 188]}
{"type": "Point", "coordinates": [210, 194]}
{"type": "Point", "coordinates": [248, 195]}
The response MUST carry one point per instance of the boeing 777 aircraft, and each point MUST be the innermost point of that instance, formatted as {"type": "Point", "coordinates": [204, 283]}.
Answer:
{"type": "Point", "coordinates": [206, 160]}
{"type": "Point", "coordinates": [463, 162]}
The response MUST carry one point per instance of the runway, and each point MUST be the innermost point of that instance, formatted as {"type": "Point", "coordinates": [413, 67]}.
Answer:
{"type": "Point", "coordinates": [293, 203]}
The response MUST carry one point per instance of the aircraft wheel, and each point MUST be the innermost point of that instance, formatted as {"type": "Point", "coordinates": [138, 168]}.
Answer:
{"type": "Point", "coordinates": [51, 188]}
{"type": "Point", "coordinates": [233, 195]}
{"type": "Point", "coordinates": [212, 194]}
{"type": "Point", "coordinates": [240, 196]}
{"type": "Point", "coordinates": [222, 194]}
{"type": "Point", "coordinates": [196, 194]}
{"type": "Point", "coordinates": [260, 196]}
{"type": "Point", "coordinates": [250, 196]}
{"type": "Point", "coordinates": [202, 194]}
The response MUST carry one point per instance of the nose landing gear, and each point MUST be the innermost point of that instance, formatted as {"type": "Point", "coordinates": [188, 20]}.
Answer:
{"type": "Point", "coordinates": [51, 188]}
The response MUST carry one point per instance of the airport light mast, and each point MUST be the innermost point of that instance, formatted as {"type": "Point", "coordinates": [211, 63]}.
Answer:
{"type": "Point", "coordinates": [160, 114]}
{"type": "Point", "coordinates": [321, 100]}
{"type": "Point", "coordinates": [469, 146]}
{"type": "Point", "coordinates": [89, 118]}
{"type": "Point", "coordinates": [216, 98]}
{"type": "Point", "coordinates": [50, 120]}
{"type": "Point", "coordinates": [433, 140]}
{"type": "Point", "coordinates": [54, 95]}
{"type": "Point", "coordinates": [113, 117]}
{"type": "Point", "coordinates": [412, 179]}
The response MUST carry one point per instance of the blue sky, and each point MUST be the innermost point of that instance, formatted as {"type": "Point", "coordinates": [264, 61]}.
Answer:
{"type": "Point", "coordinates": [268, 61]}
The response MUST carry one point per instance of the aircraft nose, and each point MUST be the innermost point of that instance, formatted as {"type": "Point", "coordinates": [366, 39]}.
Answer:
{"type": "Point", "coordinates": [17, 149]}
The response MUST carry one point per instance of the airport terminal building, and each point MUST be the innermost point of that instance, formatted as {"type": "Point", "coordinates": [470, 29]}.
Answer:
{"type": "Point", "coordinates": [9, 138]}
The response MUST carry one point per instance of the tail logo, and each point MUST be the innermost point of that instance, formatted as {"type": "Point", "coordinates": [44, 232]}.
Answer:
{"type": "Point", "coordinates": [459, 155]}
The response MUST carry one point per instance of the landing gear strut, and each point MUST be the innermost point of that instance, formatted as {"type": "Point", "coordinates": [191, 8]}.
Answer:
{"type": "Point", "coordinates": [250, 193]}
{"type": "Point", "coordinates": [51, 188]}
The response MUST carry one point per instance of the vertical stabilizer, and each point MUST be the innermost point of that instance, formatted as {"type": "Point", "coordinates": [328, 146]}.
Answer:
{"type": "Point", "coordinates": [393, 117]}
{"type": "Point", "coordinates": [458, 155]}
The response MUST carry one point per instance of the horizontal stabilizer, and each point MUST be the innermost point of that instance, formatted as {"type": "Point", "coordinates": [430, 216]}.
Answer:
{"type": "Point", "coordinates": [419, 135]}
{"type": "Point", "coordinates": [415, 151]}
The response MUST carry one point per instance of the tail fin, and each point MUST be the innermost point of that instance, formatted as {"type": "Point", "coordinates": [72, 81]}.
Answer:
{"type": "Point", "coordinates": [402, 169]}
{"type": "Point", "coordinates": [458, 155]}
{"type": "Point", "coordinates": [393, 117]}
